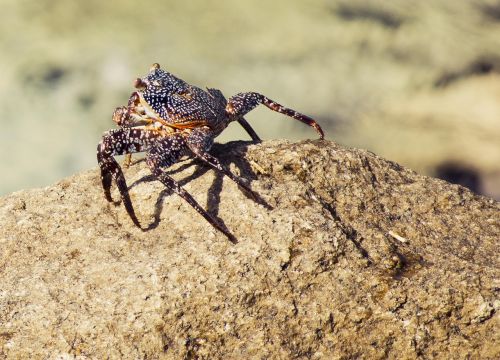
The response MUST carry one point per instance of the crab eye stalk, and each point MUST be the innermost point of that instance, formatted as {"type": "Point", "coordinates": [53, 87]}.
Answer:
{"type": "Point", "coordinates": [154, 67]}
{"type": "Point", "coordinates": [140, 84]}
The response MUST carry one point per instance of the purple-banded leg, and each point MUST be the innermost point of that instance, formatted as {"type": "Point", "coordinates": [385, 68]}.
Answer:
{"type": "Point", "coordinates": [165, 153]}
{"type": "Point", "coordinates": [199, 142]}
{"type": "Point", "coordinates": [240, 104]}
{"type": "Point", "coordinates": [119, 142]}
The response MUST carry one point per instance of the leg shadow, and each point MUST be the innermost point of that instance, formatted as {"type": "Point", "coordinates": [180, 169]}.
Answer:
{"type": "Point", "coordinates": [230, 153]}
{"type": "Point", "coordinates": [234, 153]}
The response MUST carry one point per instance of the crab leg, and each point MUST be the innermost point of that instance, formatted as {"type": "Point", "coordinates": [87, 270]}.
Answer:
{"type": "Point", "coordinates": [245, 125]}
{"type": "Point", "coordinates": [119, 142]}
{"type": "Point", "coordinates": [240, 104]}
{"type": "Point", "coordinates": [164, 154]}
{"type": "Point", "coordinates": [200, 141]}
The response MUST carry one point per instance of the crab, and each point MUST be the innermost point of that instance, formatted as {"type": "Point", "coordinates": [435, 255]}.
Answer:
{"type": "Point", "coordinates": [167, 118]}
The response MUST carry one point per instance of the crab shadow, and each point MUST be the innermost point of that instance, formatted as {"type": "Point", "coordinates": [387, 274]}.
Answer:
{"type": "Point", "coordinates": [230, 153]}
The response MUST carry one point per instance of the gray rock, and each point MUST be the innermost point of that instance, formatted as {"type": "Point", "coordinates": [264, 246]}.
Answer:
{"type": "Point", "coordinates": [359, 258]}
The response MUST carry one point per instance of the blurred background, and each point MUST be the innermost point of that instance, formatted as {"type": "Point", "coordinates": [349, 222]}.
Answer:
{"type": "Point", "coordinates": [414, 82]}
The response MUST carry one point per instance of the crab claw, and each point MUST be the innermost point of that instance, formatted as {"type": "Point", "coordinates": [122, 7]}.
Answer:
{"type": "Point", "coordinates": [140, 84]}
{"type": "Point", "coordinates": [154, 67]}
{"type": "Point", "coordinates": [120, 115]}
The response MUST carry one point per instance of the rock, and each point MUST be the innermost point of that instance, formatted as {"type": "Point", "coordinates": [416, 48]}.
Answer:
{"type": "Point", "coordinates": [358, 258]}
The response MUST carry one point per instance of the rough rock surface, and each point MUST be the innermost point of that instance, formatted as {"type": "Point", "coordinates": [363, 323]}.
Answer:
{"type": "Point", "coordinates": [359, 258]}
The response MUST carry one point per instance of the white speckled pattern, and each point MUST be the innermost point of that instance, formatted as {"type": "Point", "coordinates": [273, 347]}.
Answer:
{"type": "Point", "coordinates": [167, 118]}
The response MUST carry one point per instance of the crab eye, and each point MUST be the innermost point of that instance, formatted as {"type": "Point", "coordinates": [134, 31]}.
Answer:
{"type": "Point", "coordinates": [154, 67]}
{"type": "Point", "coordinates": [140, 84]}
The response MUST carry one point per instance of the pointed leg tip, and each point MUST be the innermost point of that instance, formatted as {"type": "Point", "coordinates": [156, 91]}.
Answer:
{"type": "Point", "coordinates": [108, 197]}
{"type": "Point", "coordinates": [138, 224]}
{"type": "Point", "coordinates": [232, 238]}
{"type": "Point", "coordinates": [320, 132]}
